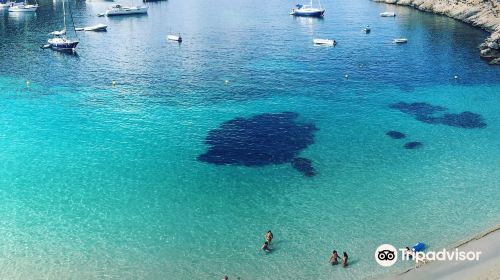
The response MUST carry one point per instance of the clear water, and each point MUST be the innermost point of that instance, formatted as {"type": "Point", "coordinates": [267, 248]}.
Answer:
{"type": "Point", "coordinates": [102, 182]}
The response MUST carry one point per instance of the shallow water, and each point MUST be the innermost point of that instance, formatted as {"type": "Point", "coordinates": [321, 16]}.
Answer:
{"type": "Point", "coordinates": [103, 182]}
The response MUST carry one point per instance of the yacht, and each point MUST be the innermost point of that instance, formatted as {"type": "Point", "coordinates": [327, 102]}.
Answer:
{"type": "Point", "coordinates": [308, 10]}
{"type": "Point", "coordinates": [22, 8]}
{"type": "Point", "coordinates": [325, 42]}
{"type": "Point", "coordinates": [176, 38]}
{"type": "Point", "coordinates": [119, 10]}
{"type": "Point", "coordinates": [388, 14]}
{"type": "Point", "coordinates": [8, 4]}
{"type": "Point", "coordinates": [400, 40]}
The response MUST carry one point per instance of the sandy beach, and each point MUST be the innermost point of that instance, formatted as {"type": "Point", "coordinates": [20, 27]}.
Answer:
{"type": "Point", "coordinates": [488, 267]}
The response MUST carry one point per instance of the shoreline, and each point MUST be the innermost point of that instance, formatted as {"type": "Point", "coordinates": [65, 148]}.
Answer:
{"type": "Point", "coordinates": [488, 242]}
{"type": "Point", "coordinates": [482, 14]}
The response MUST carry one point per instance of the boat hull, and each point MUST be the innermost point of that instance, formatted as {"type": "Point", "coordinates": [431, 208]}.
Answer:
{"type": "Point", "coordinates": [127, 11]}
{"type": "Point", "coordinates": [174, 38]}
{"type": "Point", "coordinates": [64, 46]}
{"type": "Point", "coordinates": [387, 14]}
{"type": "Point", "coordinates": [324, 42]}
{"type": "Point", "coordinates": [401, 41]}
{"type": "Point", "coordinates": [308, 13]}
{"type": "Point", "coordinates": [23, 9]}
{"type": "Point", "coordinates": [96, 28]}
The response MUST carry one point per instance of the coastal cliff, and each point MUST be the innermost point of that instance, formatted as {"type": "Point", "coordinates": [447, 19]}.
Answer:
{"type": "Point", "coordinates": [481, 13]}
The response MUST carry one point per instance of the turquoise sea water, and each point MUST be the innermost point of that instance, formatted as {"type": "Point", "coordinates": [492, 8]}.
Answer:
{"type": "Point", "coordinates": [101, 182]}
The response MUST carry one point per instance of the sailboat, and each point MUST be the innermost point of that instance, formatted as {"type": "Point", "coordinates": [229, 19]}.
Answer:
{"type": "Point", "coordinates": [308, 10]}
{"type": "Point", "coordinates": [59, 41]}
{"type": "Point", "coordinates": [25, 7]}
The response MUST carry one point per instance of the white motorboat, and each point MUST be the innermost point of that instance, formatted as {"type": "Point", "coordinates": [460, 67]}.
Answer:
{"type": "Point", "coordinates": [95, 28]}
{"type": "Point", "coordinates": [176, 38]}
{"type": "Point", "coordinates": [10, 4]}
{"type": "Point", "coordinates": [23, 8]}
{"type": "Point", "coordinates": [307, 10]}
{"type": "Point", "coordinates": [388, 14]}
{"type": "Point", "coordinates": [400, 40]}
{"type": "Point", "coordinates": [324, 42]}
{"type": "Point", "coordinates": [119, 10]}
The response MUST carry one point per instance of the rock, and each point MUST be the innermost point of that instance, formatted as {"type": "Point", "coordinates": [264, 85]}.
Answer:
{"type": "Point", "coordinates": [490, 55]}
{"type": "Point", "coordinates": [395, 134]}
{"type": "Point", "coordinates": [412, 145]}
{"type": "Point", "coordinates": [495, 61]}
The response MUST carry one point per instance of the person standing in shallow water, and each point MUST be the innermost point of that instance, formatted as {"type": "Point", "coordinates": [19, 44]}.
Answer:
{"type": "Point", "coordinates": [344, 259]}
{"type": "Point", "coordinates": [269, 236]}
{"type": "Point", "coordinates": [265, 247]}
{"type": "Point", "coordinates": [225, 277]}
{"type": "Point", "coordinates": [334, 259]}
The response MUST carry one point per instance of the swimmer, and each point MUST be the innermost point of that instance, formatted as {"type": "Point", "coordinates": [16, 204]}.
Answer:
{"type": "Point", "coordinates": [334, 259]}
{"type": "Point", "coordinates": [344, 259]}
{"type": "Point", "coordinates": [265, 247]}
{"type": "Point", "coordinates": [269, 236]}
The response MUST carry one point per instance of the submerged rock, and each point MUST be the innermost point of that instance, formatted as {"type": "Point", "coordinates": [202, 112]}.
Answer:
{"type": "Point", "coordinates": [412, 145]}
{"type": "Point", "coordinates": [395, 134]}
{"type": "Point", "coordinates": [274, 138]}
{"type": "Point", "coordinates": [432, 114]}
{"type": "Point", "coordinates": [304, 166]}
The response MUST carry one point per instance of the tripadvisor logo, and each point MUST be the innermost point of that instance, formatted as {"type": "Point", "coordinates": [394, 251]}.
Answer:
{"type": "Point", "coordinates": [387, 255]}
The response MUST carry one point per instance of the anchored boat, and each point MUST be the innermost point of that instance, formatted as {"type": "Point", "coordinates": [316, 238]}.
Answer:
{"type": "Point", "coordinates": [59, 41]}
{"type": "Point", "coordinates": [387, 14]}
{"type": "Point", "coordinates": [119, 10]}
{"type": "Point", "coordinates": [308, 10]}
{"type": "Point", "coordinates": [23, 8]}
{"type": "Point", "coordinates": [8, 4]}
{"type": "Point", "coordinates": [96, 28]}
{"type": "Point", "coordinates": [324, 42]}
{"type": "Point", "coordinates": [400, 40]}
{"type": "Point", "coordinates": [176, 38]}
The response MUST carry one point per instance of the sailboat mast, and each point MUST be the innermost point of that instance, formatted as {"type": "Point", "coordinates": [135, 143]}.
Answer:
{"type": "Point", "coordinates": [64, 15]}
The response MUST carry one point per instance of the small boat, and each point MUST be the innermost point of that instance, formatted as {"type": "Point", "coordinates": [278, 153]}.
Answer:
{"type": "Point", "coordinates": [175, 38]}
{"type": "Point", "coordinates": [400, 40]}
{"type": "Point", "coordinates": [119, 10]}
{"type": "Point", "coordinates": [96, 28]}
{"type": "Point", "coordinates": [387, 14]}
{"type": "Point", "coordinates": [324, 42]}
{"type": "Point", "coordinates": [307, 10]}
{"type": "Point", "coordinates": [8, 4]}
{"type": "Point", "coordinates": [23, 8]}
{"type": "Point", "coordinates": [420, 246]}
{"type": "Point", "coordinates": [367, 29]}
{"type": "Point", "coordinates": [59, 41]}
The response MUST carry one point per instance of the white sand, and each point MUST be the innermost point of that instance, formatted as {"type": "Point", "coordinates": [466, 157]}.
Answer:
{"type": "Point", "coordinates": [487, 267]}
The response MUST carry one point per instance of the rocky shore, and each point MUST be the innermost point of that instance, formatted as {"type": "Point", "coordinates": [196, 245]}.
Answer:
{"type": "Point", "coordinates": [481, 13]}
